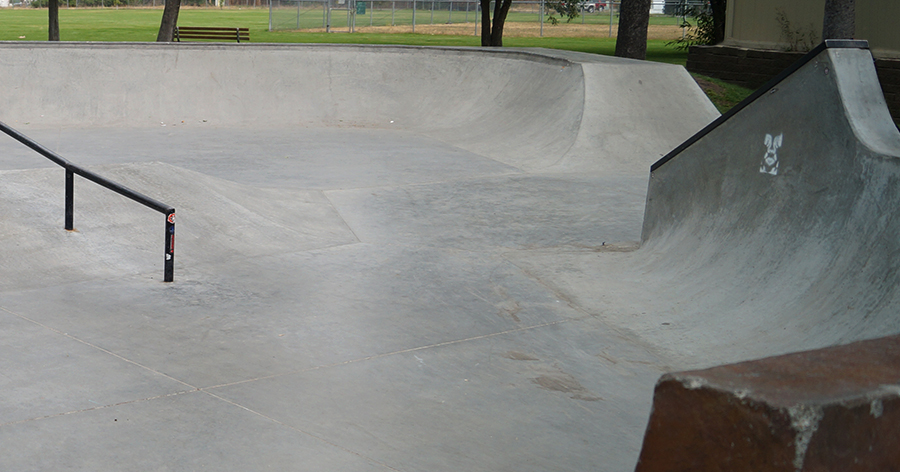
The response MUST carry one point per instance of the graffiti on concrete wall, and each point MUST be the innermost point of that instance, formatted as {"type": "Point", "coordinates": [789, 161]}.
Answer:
{"type": "Point", "coordinates": [770, 160]}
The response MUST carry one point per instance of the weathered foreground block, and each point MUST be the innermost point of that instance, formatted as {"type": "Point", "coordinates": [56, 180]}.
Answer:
{"type": "Point", "coordinates": [835, 409]}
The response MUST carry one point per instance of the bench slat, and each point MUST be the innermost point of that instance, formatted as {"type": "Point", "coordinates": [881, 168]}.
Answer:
{"type": "Point", "coordinates": [210, 32]}
{"type": "Point", "coordinates": [210, 28]}
{"type": "Point", "coordinates": [212, 37]}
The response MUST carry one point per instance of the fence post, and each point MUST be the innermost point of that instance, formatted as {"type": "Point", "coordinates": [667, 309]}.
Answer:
{"type": "Point", "coordinates": [328, 11]}
{"type": "Point", "coordinates": [611, 6]}
{"type": "Point", "coordinates": [414, 17]}
{"type": "Point", "coordinates": [169, 271]}
{"type": "Point", "coordinates": [542, 18]}
{"type": "Point", "coordinates": [70, 199]}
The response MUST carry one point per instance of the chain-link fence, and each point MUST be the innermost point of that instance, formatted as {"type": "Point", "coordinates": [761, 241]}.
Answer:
{"type": "Point", "coordinates": [141, 3]}
{"type": "Point", "coordinates": [347, 15]}
{"type": "Point", "coordinates": [350, 15]}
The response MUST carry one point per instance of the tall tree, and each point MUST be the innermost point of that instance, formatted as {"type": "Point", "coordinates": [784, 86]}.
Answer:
{"type": "Point", "coordinates": [840, 19]}
{"type": "Point", "coordinates": [634, 18]}
{"type": "Point", "coordinates": [492, 29]}
{"type": "Point", "coordinates": [718, 17]}
{"type": "Point", "coordinates": [53, 7]}
{"type": "Point", "coordinates": [169, 20]}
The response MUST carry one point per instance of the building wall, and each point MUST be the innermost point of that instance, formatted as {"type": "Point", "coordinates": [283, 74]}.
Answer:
{"type": "Point", "coordinates": [755, 24]}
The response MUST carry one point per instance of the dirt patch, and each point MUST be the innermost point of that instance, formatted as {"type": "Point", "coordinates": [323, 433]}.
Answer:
{"type": "Point", "coordinates": [708, 86]}
{"type": "Point", "coordinates": [519, 356]}
{"type": "Point", "coordinates": [565, 383]}
{"type": "Point", "coordinates": [523, 30]}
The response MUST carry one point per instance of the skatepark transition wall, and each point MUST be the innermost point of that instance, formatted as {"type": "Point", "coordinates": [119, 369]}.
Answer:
{"type": "Point", "coordinates": [792, 197]}
{"type": "Point", "coordinates": [544, 108]}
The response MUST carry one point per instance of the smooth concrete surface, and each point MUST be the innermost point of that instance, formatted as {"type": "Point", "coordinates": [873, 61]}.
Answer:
{"type": "Point", "coordinates": [812, 233]}
{"type": "Point", "coordinates": [459, 289]}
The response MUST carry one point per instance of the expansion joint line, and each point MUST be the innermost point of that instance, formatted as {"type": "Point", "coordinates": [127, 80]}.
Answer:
{"type": "Point", "coordinates": [392, 353]}
{"type": "Point", "coordinates": [94, 346]}
{"type": "Point", "coordinates": [301, 431]}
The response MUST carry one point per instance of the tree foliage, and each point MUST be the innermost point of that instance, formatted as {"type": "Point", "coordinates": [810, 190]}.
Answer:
{"type": "Point", "coordinates": [702, 32]}
{"type": "Point", "coordinates": [567, 10]}
{"type": "Point", "coordinates": [708, 27]}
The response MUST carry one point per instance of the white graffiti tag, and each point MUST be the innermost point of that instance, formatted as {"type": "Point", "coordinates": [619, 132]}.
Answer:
{"type": "Point", "coordinates": [770, 160]}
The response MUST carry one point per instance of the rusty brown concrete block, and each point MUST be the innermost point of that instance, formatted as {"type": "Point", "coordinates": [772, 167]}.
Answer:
{"type": "Point", "coordinates": [833, 409]}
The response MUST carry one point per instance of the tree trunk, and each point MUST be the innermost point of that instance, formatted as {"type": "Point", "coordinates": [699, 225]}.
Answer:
{"type": "Point", "coordinates": [718, 16]}
{"type": "Point", "coordinates": [53, 7]}
{"type": "Point", "coordinates": [169, 20]}
{"type": "Point", "coordinates": [501, 9]}
{"type": "Point", "coordinates": [840, 19]}
{"type": "Point", "coordinates": [485, 22]}
{"type": "Point", "coordinates": [634, 18]}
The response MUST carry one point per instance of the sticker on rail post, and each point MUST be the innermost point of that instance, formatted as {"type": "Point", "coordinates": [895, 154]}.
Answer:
{"type": "Point", "coordinates": [170, 218]}
{"type": "Point", "coordinates": [770, 160]}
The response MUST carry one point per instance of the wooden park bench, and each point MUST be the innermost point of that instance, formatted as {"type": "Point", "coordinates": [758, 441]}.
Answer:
{"type": "Point", "coordinates": [208, 32]}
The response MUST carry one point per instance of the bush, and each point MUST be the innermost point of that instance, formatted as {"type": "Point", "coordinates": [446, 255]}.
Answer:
{"type": "Point", "coordinates": [703, 33]}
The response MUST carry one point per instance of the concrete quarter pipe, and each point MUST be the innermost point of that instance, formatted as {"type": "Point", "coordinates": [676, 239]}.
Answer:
{"type": "Point", "coordinates": [788, 192]}
{"type": "Point", "coordinates": [389, 258]}
{"type": "Point", "coordinates": [806, 234]}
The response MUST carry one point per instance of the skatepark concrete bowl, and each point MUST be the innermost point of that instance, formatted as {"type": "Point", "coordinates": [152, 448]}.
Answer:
{"type": "Point", "coordinates": [388, 258]}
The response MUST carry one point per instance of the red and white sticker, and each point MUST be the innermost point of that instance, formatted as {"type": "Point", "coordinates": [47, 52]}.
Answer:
{"type": "Point", "coordinates": [171, 218]}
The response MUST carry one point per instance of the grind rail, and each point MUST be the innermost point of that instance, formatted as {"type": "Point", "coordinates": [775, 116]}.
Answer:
{"type": "Point", "coordinates": [72, 170]}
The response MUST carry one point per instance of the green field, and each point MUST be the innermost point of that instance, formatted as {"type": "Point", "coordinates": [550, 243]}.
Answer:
{"type": "Point", "coordinates": [109, 24]}
{"type": "Point", "coordinates": [383, 15]}
{"type": "Point", "coordinates": [142, 24]}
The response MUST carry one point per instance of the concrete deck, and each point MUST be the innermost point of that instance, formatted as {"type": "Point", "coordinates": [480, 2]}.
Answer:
{"type": "Point", "coordinates": [388, 259]}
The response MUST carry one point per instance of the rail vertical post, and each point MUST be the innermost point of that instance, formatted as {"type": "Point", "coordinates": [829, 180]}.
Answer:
{"type": "Point", "coordinates": [70, 199]}
{"type": "Point", "coordinates": [169, 271]}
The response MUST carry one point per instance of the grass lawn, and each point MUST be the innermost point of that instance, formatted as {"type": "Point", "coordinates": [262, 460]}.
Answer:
{"type": "Point", "coordinates": [142, 24]}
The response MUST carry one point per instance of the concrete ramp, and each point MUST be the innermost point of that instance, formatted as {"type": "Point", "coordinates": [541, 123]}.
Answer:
{"type": "Point", "coordinates": [771, 231]}
{"type": "Point", "coordinates": [790, 201]}
{"type": "Point", "coordinates": [531, 109]}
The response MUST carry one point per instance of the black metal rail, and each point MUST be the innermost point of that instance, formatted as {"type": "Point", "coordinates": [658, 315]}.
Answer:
{"type": "Point", "coordinates": [72, 170]}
